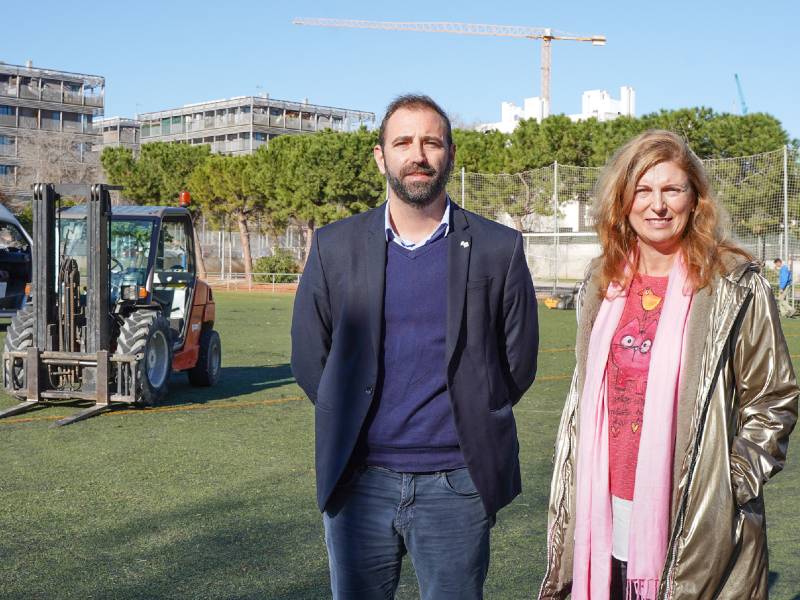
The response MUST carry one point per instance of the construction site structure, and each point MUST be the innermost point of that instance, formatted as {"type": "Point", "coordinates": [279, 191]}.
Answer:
{"type": "Point", "coordinates": [545, 34]}
{"type": "Point", "coordinates": [45, 102]}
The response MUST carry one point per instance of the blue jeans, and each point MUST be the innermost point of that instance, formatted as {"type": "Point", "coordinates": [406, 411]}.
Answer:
{"type": "Point", "coordinates": [377, 515]}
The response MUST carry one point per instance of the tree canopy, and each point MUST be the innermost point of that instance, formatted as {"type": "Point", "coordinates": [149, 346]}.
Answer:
{"type": "Point", "coordinates": [312, 180]}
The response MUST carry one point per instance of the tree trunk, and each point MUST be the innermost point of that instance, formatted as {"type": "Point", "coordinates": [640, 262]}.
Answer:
{"type": "Point", "coordinates": [198, 248]}
{"type": "Point", "coordinates": [247, 258]}
{"type": "Point", "coordinates": [517, 219]}
{"type": "Point", "coordinates": [308, 228]}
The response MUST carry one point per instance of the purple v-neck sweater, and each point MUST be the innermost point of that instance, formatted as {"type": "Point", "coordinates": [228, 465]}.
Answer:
{"type": "Point", "coordinates": [410, 427]}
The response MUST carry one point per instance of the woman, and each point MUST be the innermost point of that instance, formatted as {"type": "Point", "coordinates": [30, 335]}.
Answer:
{"type": "Point", "coordinates": [682, 400]}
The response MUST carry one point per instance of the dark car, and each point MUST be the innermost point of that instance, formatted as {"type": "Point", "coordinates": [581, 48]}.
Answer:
{"type": "Point", "coordinates": [15, 263]}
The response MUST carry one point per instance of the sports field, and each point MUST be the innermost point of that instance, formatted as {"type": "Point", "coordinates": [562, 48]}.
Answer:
{"type": "Point", "coordinates": [212, 495]}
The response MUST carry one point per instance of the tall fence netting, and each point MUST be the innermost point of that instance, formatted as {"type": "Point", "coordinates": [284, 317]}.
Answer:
{"type": "Point", "coordinates": [551, 206]}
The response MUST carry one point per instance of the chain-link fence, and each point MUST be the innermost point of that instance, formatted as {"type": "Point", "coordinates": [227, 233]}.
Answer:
{"type": "Point", "coordinates": [551, 206]}
{"type": "Point", "coordinates": [222, 247]}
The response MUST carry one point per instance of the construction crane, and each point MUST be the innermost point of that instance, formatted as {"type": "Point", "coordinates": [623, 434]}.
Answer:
{"type": "Point", "coordinates": [741, 93]}
{"type": "Point", "coordinates": [547, 36]}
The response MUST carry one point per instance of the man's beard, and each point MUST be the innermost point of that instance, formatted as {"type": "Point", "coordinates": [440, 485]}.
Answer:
{"type": "Point", "coordinates": [419, 193]}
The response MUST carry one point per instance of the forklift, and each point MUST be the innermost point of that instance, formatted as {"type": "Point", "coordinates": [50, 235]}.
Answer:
{"type": "Point", "coordinates": [116, 306]}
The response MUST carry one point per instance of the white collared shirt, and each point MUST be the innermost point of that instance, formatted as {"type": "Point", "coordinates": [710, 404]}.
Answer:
{"type": "Point", "coordinates": [412, 245]}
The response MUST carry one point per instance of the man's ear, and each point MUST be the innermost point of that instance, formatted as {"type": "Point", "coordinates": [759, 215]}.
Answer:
{"type": "Point", "coordinates": [377, 153]}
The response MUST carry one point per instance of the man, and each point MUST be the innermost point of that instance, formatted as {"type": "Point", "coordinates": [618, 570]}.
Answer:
{"type": "Point", "coordinates": [784, 287]}
{"type": "Point", "coordinates": [414, 332]}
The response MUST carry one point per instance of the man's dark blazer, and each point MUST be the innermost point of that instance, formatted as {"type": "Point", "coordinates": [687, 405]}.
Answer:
{"type": "Point", "coordinates": [492, 341]}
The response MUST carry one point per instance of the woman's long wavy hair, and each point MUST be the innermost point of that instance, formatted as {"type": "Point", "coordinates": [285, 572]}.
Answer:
{"type": "Point", "coordinates": [704, 241]}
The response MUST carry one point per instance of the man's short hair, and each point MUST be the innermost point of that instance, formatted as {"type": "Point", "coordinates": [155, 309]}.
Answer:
{"type": "Point", "coordinates": [777, 260]}
{"type": "Point", "coordinates": [415, 101]}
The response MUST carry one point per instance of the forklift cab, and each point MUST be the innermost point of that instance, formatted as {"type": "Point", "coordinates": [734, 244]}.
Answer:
{"type": "Point", "coordinates": [152, 258]}
{"type": "Point", "coordinates": [174, 272]}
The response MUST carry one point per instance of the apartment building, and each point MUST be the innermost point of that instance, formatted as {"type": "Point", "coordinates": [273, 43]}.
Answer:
{"type": "Point", "coordinates": [46, 117]}
{"type": "Point", "coordinates": [240, 125]}
{"type": "Point", "coordinates": [118, 131]}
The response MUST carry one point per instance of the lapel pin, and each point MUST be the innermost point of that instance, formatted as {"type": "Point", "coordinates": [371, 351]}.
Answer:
{"type": "Point", "coordinates": [465, 244]}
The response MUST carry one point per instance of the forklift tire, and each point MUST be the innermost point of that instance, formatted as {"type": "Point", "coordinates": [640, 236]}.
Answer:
{"type": "Point", "coordinates": [147, 332]}
{"type": "Point", "coordinates": [209, 360]}
{"type": "Point", "coordinates": [18, 338]}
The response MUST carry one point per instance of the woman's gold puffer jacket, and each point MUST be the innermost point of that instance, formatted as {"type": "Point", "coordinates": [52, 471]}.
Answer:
{"type": "Point", "coordinates": [737, 405]}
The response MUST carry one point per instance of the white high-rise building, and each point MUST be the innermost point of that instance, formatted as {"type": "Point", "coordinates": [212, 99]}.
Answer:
{"type": "Point", "coordinates": [600, 105]}
{"type": "Point", "coordinates": [594, 103]}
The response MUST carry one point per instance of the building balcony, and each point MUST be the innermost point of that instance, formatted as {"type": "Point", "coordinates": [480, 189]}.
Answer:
{"type": "Point", "coordinates": [8, 150]}
{"type": "Point", "coordinates": [28, 122]}
{"type": "Point", "coordinates": [231, 146]}
{"type": "Point", "coordinates": [8, 120]}
{"type": "Point", "coordinates": [8, 90]}
{"type": "Point", "coordinates": [29, 92]}
{"type": "Point", "coordinates": [74, 126]}
{"type": "Point", "coordinates": [51, 95]}
{"type": "Point", "coordinates": [72, 97]}
{"type": "Point", "coordinates": [50, 125]}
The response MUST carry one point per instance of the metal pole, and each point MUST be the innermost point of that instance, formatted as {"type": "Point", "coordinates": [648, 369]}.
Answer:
{"type": "Point", "coordinates": [555, 226]}
{"type": "Point", "coordinates": [463, 195]}
{"type": "Point", "coordinates": [786, 202]}
{"type": "Point", "coordinates": [787, 258]}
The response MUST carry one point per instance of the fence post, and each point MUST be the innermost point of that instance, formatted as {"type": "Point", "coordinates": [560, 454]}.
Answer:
{"type": "Point", "coordinates": [787, 258]}
{"type": "Point", "coordinates": [463, 194]}
{"type": "Point", "coordinates": [786, 202]}
{"type": "Point", "coordinates": [555, 226]}
{"type": "Point", "coordinates": [221, 251]}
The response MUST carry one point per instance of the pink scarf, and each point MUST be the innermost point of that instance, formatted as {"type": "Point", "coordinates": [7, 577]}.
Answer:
{"type": "Point", "coordinates": [649, 528]}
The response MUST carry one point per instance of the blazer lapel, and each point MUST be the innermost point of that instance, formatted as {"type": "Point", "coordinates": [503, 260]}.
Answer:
{"type": "Point", "coordinates": [459, 248]}
{"type": "Point", "coordinates": [375, 274]}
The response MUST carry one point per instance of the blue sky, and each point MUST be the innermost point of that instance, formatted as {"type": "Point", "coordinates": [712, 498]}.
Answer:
{"type": "Point", "coordinates": [159, 55]}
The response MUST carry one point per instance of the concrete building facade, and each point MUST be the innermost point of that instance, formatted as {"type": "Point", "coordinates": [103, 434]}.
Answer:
{"type": "Point", "coordinates": [38, 105]}
{"type": "Point", "coordinates": [118, 131]}
{"type": "Point", "coordinates": [240, 125]}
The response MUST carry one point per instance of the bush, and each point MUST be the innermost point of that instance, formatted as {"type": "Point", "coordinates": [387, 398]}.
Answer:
{"type": "Point", "coordinates": [280, 262]}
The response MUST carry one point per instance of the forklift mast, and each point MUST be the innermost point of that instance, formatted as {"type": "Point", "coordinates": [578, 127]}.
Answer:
{"type": "Point", "coordinates": [47, 298]}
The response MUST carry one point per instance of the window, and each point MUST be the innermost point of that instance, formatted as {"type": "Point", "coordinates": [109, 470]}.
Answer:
{"type": "Point", "coordinates": [8, 145]}
{"type": "Point", "coordinates": [51, 120]}
{"type": "Point", "coordinates": [11, 237]}
{"type": "Point", "coordinates": [174, 247]}
{"type": "Point", "coordinates": [71, 121]}
{"type": "Point", "coordinates": [6, 169]}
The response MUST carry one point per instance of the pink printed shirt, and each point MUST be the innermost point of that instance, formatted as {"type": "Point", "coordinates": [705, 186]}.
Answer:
{"type": "Point", "coordinates": [628, 365]}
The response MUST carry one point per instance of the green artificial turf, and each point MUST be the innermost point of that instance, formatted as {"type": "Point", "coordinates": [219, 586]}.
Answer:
{"type": "Point", "coordinates": [212, 495]}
